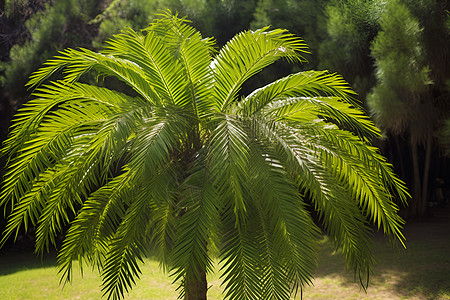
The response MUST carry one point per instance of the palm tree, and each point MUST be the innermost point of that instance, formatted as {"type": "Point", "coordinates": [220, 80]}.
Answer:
{"type": "Point", "coordinates": [181, 166]}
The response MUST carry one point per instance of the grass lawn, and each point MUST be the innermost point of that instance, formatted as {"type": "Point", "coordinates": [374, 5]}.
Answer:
{"type": "Point", "coordinates": [422, 271]}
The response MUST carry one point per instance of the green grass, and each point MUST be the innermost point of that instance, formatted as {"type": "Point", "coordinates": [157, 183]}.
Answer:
{"type": "Point", "coordinates": [23, 276]}
{"type": "Point", "coordinates": [422, 271]}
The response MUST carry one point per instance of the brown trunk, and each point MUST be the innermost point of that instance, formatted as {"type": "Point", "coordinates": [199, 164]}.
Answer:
{"type": "Point", "coordinates": [416, 201]}
{"type": "Point", "coordinates": [196, 287]}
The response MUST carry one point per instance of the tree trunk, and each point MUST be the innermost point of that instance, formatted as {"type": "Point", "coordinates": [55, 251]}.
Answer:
{"type": "Point", "coordinates": [426, 171]}
{"type": "Point", "coordinates": [400, 160]}
{"type": "Point", "coordinates": [196, 287]}
{"type": "Point", "coordinates": [416, 201]}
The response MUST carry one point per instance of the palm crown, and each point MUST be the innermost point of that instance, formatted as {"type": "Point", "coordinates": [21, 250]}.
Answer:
{"type": "Point", "coordinates": [182, 164]}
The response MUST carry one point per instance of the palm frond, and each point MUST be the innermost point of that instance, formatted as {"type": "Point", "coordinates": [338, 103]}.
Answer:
{"type": "Point", "coordinates": [95, 224]}
{"type": "Point", "coordinates": [29, 207]}
{"type": "Point", "coordinates": [247, 54]}
{"type": "Point", "coordinates": [332, 109]}
{"type": "Point", "coordinates": [280, 199]}
{"type": "Point", "coordinates": [76, 63]}
{"type": "Point", "coordinates": [89, 170]}
{"type": "Point", "coordinates": [365, 174]}
{"type": "Point", "coordinates": [343, 220]}
{"type": "Point", "coordinates": [331, 201]}
{"type": "Point", "coordinates": [228, 152]}
{"type": "Point", "coordinates": [59, 133]}
{"type": "Point", "coordinates": [54, 96]}
{"type": "Point", "coordinates": [157, 138]}
{"type": "Point", "coordinates": [47, 146]}
{"type": "Point", "coordinates": [157, 66]}
{"type": "Point", "coordinates": [127, 247]}
{"type": "Point", "coordinates": [240, 261]}
{"type": "Point", "coordinates": [132, 237]}
{"type": "Point", "coordinates": [64, 197]}
{"type": "Point", "coordinates": [302, 84]}
{"type": "Point", "coordinates": [121, 268]}
{"type": "Point", "coordinates": [193, 52]}
{"type": "Point", "coordinates": [162, 229]}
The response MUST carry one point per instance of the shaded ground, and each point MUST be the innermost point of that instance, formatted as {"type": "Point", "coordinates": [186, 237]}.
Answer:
{"type": "Point", "coordinates": [422, 271]}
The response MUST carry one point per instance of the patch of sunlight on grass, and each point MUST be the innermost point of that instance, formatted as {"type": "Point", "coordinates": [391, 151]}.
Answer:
{"type": "Point", "coordinates": [42, 282]}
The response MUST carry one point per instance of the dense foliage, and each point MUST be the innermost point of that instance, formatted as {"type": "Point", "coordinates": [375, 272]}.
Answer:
{"type": "Point", "coordinates": [180, 164]}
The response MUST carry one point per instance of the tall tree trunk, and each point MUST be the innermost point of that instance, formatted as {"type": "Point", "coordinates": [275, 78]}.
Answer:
{"type": "Point", "coordinates": [416, 201]}
{"type": "Point", "coordinates": [196, 286]}
{"type": "Point", "coordinates": [426, 171]}
{"type": "Point", "coordinates": [400, 160]}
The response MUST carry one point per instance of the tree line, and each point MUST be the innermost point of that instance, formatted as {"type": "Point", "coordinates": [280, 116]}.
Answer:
{"type": "Point", "coordinates": [395, 54]}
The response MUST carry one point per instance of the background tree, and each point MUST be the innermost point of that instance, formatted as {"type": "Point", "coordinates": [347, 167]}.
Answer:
{"type": "Point", "coordinates": [123, 13]}
{"type": "Point", "coordinates": [402, 79]}
{"type": "Point", "coordinates": [13, 15]}
{"type": "Point", "coordinates": [182, 163]}
{"type": "Point", "coordinates": [50, 29]}
{"type": "Point", "coordinates": [304, 18]}
{"type": "Point", "coordinates": [351, 27]}
{"type": "Point", "coordinates": [404, 102]}
{"type": "Point", "coordinates": [219, 18]}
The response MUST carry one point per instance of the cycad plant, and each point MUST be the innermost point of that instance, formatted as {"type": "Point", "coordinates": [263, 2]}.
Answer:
{"type": "Point", "coordinates": [181, 166]}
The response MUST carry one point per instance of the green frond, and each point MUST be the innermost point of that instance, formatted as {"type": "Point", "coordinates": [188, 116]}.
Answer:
{"type": "Point", "coordinates": [29, 207]}
{"type": "Point", "coordinates": [285, 255]}
{"type": "Point", "coordinates": [121, 268]}
{"type": "Point", "coordinates": [303, 84]}
{"type": "Point", "coordinates": [95, 224]}
{"type": "Point", "coordinates": [76, 63]}
{"type": "Point", "coordinates": [53, 217]}
{"type": "Point", "coordinates": [60, 206]}
{"type": "Point", "coordinates": [49, 144]}
{"type": "Point", "coordinates": [127, 248]}
{"type": "Point", "coordinates": [247, 54]}
{"type": "Point", "coordinates": [162, 230]}
{"type": "Point", "coordinates": [342, 218]}
{"type": "Point", "coordinates": [228, 150]}
{"type": "Point", "coordinates": [84, 114]}
{"type": "Point", "coordinates": [282, 204]}
{"type": "Point", "coordinates": [193, 52]}
{"type": "Point", "coordinates": [157, 138]}
{"type": "Point", "coordinates": [165, 209]}
{"type": "Point", "coordinates": [332, 109]}
{"type": "Point", "coordinates": [240, 261]}
{"type": "Point", "coordinates": [269, 232]}
{"type": "Point", "coordinates": [29, 117]}
{"type": "Point", "coordinates": [90, 166]}
{"type": "Point", "coordinates": [332, 201]}
{"type": "Point", "coordinates": [60, 95]}
{"type": "Point", "coordinates": [88, 171]}
{"type": "Point", "coordinates": [155, 63]}
{"type": "Point", "coordinates": [365, 174]}
{"type": "Point", "coordinates": [131, 240]}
